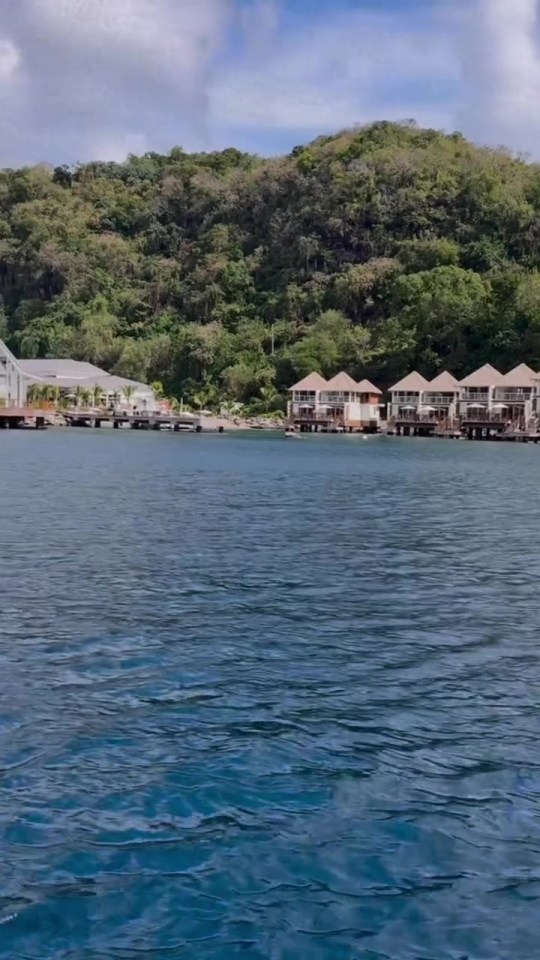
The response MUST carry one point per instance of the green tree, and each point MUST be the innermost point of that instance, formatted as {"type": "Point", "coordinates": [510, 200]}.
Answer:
{"type": "Point", "coordinates": [384, 247]}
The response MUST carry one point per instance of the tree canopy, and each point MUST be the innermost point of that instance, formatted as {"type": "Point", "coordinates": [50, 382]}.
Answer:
{"type": "Point", "coordinates": [378, 250]}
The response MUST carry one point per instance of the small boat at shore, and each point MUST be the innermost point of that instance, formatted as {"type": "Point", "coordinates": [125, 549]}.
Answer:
{"type": "Point", "coordinates": [291, 434]}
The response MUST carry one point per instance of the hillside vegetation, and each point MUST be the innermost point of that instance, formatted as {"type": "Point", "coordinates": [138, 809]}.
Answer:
{"type": "Point", "coordinates": [378, 250]}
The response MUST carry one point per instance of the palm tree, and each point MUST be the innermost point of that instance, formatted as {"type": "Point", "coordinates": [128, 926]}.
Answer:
{"type": "Point", "coordinates": [35, 393]}
{"type": "Point", "coordinates": [98, 395]}
{"type": "Point", "coordinates": [43, 393]}
{"type": "Point", "coordinates": [129, 392]}
{"type": "Point", "coordinates": [230, 407]}
{"type": "Point", "coordinates": [198, 400]}
{"type": "Point", "coordinates": [269, 397]}
{"type": "Point", "coordinates": [157, 389]}
{"type": "Point", "coordinates": [85, 397]}
{"type": "Point", "coordinates": [78, 395]}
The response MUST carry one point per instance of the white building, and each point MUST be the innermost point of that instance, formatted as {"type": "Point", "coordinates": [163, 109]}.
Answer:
{"type": "Point", "coordinates": [370, 403]}
{"type": "Point", "coordinates": [306, 396]}
{"type": "Point", "coordinates": [514, 395]}
{"type": "Point", "coordinates": [478, 392]}
{"type": "Point", "coordinates": [70, 377]}
{"type": "Point", "coordinates": [407, 397]}
{"type": "Point", "coordinates": [355, 404]}
{"type": "Point", "coordinates": [339, 402]}
{"type": "Point", "coordinates": [441, 397]}
{"type": "Point", "coordinates": [13, 383]}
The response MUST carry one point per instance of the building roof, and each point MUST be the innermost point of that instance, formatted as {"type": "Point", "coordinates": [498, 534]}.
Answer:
{"type": "Point", "coordinates": [520, 376]}
{"type": "Point", "coordinates": [70, 374]}
{"type": "Point", "coordinates": [68, 369]}
{"type": "Point", "coordinates": [365, 386]}
{"type": "Point", "coordinates": [312, 382]}
{"type": "Point", "coordinates": [444, 383]}
{"type": "Point", "coordinates": [486, 376]}
{"type": "Point", "coordinates": [342, 383]}
{"type": "Point", "coordinates": [107, 382]}
{"type": "Point", "coordinates": [413, 383]}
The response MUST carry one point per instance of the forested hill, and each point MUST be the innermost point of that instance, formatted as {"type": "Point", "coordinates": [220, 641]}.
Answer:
{"type": "Point", "coordinates": [379, 250]}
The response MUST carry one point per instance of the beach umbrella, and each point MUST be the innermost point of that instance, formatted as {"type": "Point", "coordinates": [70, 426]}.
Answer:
{"type": "Point", "coordinates": [476, 406]}
{"type": "Point", "coordinates": [408, 409]}
{"type": "Point", "coordinates": [499, 406]}
{"type": "Point", "coordinates": [429, 410]}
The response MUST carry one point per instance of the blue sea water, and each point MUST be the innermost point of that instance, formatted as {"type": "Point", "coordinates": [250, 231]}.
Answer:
{"type": "Point", "coordinates": [268, 700]}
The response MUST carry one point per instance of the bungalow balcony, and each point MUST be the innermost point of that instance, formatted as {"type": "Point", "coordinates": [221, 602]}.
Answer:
{"type": "Point", "coordinates": [522, 395]}
{"type": "Point", "coordinates": [476, 395]}
{"type": "Point", "coordinates": [440, 399]}
{"type": "Point", "coordinates": [334, 399]}
{"type": "Point", "coordinates": [399, 399]}
{"type": "Point", "coordinates": [475, 415]}
{"type": "Point", "coordinates": [415, 416]}
{"type": "Point", "coordinates": [317, 414]}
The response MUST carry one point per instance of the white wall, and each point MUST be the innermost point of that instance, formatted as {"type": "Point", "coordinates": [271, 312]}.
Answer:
{"type": "Point", "coordinates": [361, 412]}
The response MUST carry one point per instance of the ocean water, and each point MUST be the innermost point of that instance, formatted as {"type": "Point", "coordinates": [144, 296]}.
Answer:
{"type": "Point", "coordinates": [268, 699]}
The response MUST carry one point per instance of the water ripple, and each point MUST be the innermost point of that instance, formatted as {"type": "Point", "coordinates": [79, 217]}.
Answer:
{"type": "Point", "coordinates": [268, 700]}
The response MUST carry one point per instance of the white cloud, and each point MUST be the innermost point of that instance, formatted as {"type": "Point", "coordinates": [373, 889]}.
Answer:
{"type": "Point", "coordinates": [89, 78]}
{"type": "Point", "coordinates": [108, 71]}
{"type": "Point", "coordinates": [338, 70]}
{"type": "Point", "coordinates": [500, 58]}
{"type": "Point", "coordinates": [173, 37]}
{"type": "Point", "coordinates": [117, 147]}
{"type": "Point", "coordinates": [10, 60]}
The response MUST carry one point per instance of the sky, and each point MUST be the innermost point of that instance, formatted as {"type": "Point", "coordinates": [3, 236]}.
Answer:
{"type": "Point", "coordinates": [98, 79]}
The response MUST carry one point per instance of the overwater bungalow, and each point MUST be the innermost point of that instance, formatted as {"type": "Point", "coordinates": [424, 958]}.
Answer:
{"type": "Point", "coordinates": [337, 404]}
{"type": "Point", "coordinates": [406, 397]}
{"type": "Point", "coordinates": [515, 393]}
{"type": "Point", "coordinates": [441, 398]}
{"type": "Point", "coordinates": [477, 401]}
{"type": "Point", "coordinates": [305, 396]}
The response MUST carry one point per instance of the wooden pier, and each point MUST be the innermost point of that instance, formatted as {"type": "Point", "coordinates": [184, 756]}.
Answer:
{"type": "Point", "coordinates": [16, 418]}
{"type": "Point", "coordinates": [135, 421]}
{"type": "Point", "coordinates": [466, 428]}
{"type": "Point", "coordinates": [319, 423]}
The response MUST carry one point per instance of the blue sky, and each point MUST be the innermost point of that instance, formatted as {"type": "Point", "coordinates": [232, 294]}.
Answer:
{"type": "Point", "coordinates": [83, 79]}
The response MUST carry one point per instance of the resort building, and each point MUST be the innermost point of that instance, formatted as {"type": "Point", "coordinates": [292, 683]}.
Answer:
{"type": "Point", "coordinates": [406, 397]}
{"type": "Point", "coordinates": [71, 378]}
{"type": "Point", "coordinates": [13, 382]}
{"type": "Point", "coordinates": [370, 403]}
{"type": "Point", "coordinates": [440, 399]}
{"type": "Point", "coordinates": [486, 404]}
{"type": "Point", "coordinates": [339, 403]}
{"type": "Point", "coordinates": [515, 394]}
{"type": "Point", "coordinates": [306, 396]}
{"type": "Point", "coordinates": [477, 398]}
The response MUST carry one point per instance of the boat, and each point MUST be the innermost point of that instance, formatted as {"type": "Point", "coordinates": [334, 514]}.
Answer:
{"type": "Point", "coordinates": [291, 434]}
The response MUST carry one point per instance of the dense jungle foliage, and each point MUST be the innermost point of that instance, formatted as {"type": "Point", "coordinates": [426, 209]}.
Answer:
{"type": "Point", "coordinates": [379, 250]}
